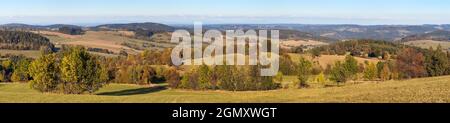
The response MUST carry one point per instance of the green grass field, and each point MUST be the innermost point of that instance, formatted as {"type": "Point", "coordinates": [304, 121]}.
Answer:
{"type": "Point", "coordinates": [435, 89]}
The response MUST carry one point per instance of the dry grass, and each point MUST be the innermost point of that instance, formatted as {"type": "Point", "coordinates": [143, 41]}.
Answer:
{"type": "Point", "coordinates": [27, 53]}
{"type": "Point", "coordinates": [296, 43]}
{"type": "Point", "coordinates": [435, 90]}
{"type": "Point", "coordinates": [429, 43]}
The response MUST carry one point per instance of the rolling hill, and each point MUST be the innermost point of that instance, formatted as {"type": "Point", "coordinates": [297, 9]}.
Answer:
{"type": "Point", "coordinates": [153, 27]}
{"type": "Point", "coordinates": [439, 35]}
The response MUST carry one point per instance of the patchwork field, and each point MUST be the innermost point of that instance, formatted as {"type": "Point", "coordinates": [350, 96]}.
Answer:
{"type": "Point", "coordinates": [111, 40]}
{"type": "Point", "coordinates": [435, 89]}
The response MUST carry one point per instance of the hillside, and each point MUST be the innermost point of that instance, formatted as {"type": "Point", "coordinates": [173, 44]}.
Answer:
{"type": "Point", "coordinates": [436, 89]}
{"type": "Point", "coordinates": [19, 26]}
{"type": "Point", "coordinates": [439, 35]}
{"type": "Point", "coordinates": [154, 27]}
{"type": "Point", "coordinates": [344, 31]}
{"type": "Point", "coordinates": [18, 40]}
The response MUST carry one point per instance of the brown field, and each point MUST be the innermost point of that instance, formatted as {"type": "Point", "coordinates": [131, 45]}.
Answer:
{"type": "Point", "coordinates": [111, 40]}
{"type": "Point", "coordinates": [296, 43]}
{"type": "Point", "coordinates": [26, 53]}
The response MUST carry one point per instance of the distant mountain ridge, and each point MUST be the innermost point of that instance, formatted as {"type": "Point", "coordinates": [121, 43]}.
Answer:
{"type": "Point", "coordinates": [344, 31]}
{"type": "Point", "coordinates": [19, 26]}
{"type": "Point", "coordinates": [439, 35]}
{"type": "Point", "coordinates": [153, 27]}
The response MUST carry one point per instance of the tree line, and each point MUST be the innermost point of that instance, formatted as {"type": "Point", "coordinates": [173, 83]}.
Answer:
{"type": "Point", "coordinates": [73, 70]}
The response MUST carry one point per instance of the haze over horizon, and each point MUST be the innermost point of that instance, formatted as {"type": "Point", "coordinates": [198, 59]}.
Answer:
{"type": "Point", "coordinates": [362, 12]}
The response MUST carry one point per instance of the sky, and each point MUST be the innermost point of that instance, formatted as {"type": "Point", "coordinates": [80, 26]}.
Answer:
{"type": "Point", "coordinates": [365, 12]}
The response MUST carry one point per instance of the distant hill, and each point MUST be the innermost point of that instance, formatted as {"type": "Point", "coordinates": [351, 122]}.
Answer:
{"type": "Point", "coordinates": [153, 27]}
{"type": "Point", "coordinates": [439, 35]}
{"type": "Point", "coordinates": [298, 35]}
{"type": "Point", "coordinates": [19, 26]}
{"type": "Point", "coordinates": [343, 31]}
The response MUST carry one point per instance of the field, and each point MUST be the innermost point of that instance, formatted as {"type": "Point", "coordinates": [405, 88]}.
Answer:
{"type": "Point", "coordinates": [435, 89]}
{"type": "Point", "coordinates": [27, 53]}
{"type": "Point", "coordinates": [429, 43]}
{"type": "Point", "coordinates": [110, 40]}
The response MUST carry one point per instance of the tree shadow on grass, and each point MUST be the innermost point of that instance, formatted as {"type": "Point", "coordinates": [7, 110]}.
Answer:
{"type": "Point", "coordinates": [134, 91]}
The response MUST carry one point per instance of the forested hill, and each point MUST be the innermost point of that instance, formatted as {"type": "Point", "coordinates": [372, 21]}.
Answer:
{"type": "Point", "coordinates": [19, 26]}
{"type": "Point", "coordinates": [440, 35]}
{"type": "Point", "coordinates": [154, 27]}
{"type": "Point", "coordinates": [18, 40]}
{"type": "Point", "coordinates": [362, 48]}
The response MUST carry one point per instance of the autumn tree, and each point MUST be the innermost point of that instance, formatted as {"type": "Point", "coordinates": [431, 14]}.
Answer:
{"type": "Point", "coordinates": [410, 63]}
{"type": "Point", "coordinates": [385, 73]}
{"type": "Point", "coordinates": [44, 72]}
{"type": "Point", "coordinates": [371, 72]}
{"type": "Point", "coordinates": [204, 77]}
{"type": "Point", "coordinates": [172, 77]}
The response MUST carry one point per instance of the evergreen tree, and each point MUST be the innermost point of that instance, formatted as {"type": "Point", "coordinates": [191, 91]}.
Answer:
{"type": "Point", "coordinates": [303, 72]}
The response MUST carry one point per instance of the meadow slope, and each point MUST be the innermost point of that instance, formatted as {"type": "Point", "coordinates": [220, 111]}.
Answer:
{"type": "Point", "coordinates": [436, 89]}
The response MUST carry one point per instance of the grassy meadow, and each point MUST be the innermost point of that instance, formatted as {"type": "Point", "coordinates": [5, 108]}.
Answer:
{"type": "Point", "coordinates": [436, 90]}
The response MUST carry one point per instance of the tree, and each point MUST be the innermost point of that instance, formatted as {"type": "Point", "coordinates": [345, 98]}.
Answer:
{"type": "Point", "coordinates": [436, 62]}
{"type": "Point", "coordinates": [303, 72]}
{"type": "Point", "coordinates": [351, 66]}
{"type": "Point", "coordinates": [80, 72]}
{"type": "Point", "coordinates": [410, 63]}
{"type": "Point", "coordinates": [190, 79]}
{"type": "Point", "coordinates": [20, 73]}
{"type": "Point", "coordinates": [371, 72]}
{"type": "Point", "coordinates": [338, 73]}
{"type": "Point", "coordinates": [44, 72]}
{"type": "Point", "coordinates": [147, 74]}
{"type": "Point", "coordinates": [172, 77]}
{"type": "Point", "coordinates": [204, 78]}
{"type": "Point", "coordinates": [385, 73]}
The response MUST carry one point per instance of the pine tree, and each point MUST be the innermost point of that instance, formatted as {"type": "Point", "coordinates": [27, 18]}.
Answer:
{"type": "Point", "coordinates": [303, 72]}
{"type": "Point", "coordinates": [436, 62]}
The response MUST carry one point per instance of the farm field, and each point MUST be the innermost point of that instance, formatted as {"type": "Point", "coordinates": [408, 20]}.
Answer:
{"type": "Point", "coordinates": [429, 43]}
{"type": "Point", "coordinates": [110, 40]}
{"type": "Point", "coordinates": [26, 53]}
{"type": "Point", "coordinates": [436, 89]}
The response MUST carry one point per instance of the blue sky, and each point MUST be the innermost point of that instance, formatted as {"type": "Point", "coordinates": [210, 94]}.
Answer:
{"type": "Point", "coordinates": [227, 11]}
